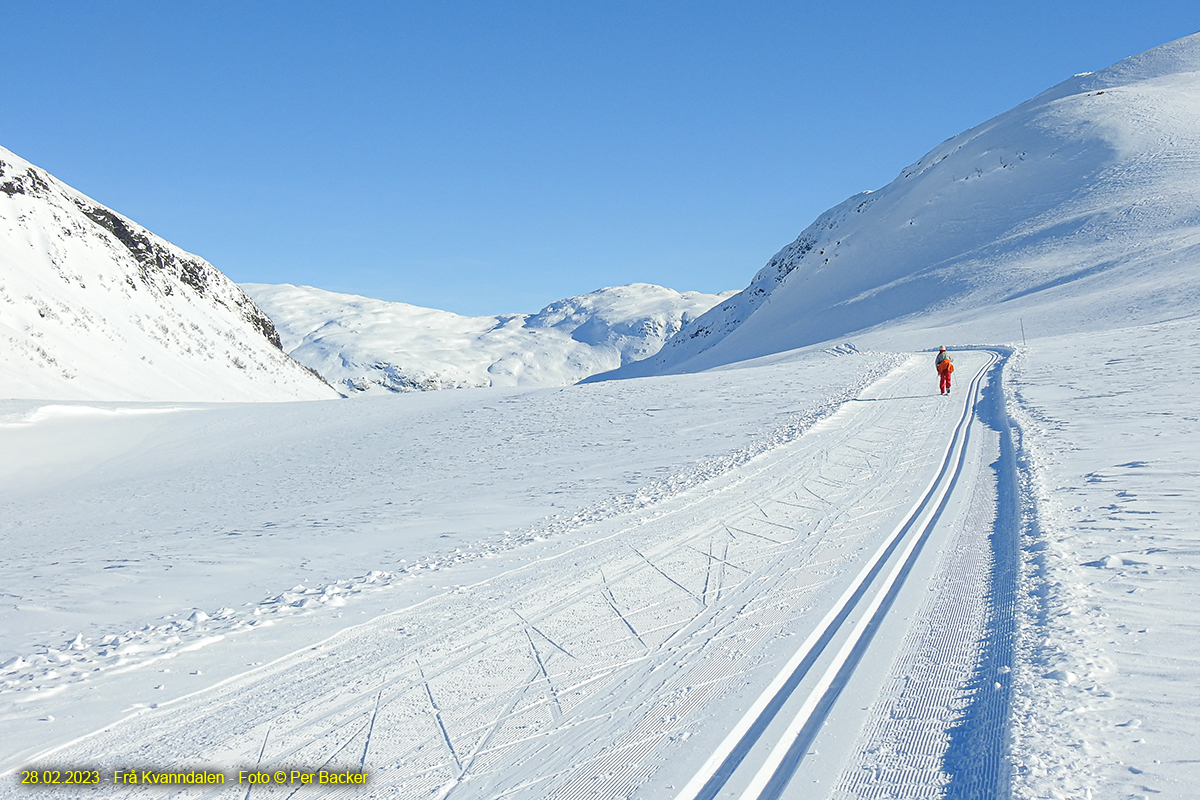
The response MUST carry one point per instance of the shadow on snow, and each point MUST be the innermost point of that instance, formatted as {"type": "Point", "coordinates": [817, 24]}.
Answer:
{"type": "Point", "coordinates": [977, 760]}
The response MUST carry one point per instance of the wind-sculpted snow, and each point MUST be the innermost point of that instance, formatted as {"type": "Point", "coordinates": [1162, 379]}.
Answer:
{"type": "Point", "coordinates": [94, 306]}
{"type": "Point", "coordinates": [1083, 199]}
{"type": "Point", "coordinates": [364, 345]}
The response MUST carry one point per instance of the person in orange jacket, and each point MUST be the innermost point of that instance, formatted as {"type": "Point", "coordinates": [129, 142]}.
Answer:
{"type": "Point", "coordinates": [944, 366]}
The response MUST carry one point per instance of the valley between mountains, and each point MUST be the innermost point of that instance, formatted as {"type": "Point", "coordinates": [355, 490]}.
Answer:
{"type": "Point", "coordinates": [794, 595]}
{"type": "Point", "coordinates": [669, 544]}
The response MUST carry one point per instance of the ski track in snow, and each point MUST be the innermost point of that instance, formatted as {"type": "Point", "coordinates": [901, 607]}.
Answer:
{"type": "Point", "coordinates": [606, 667]}
{"type": "Point", "coordinates": [523, 440]}
{"type": "Point", "coordinates": [796, 734]}
{"type": "Point", "coordinates": [675, 540]}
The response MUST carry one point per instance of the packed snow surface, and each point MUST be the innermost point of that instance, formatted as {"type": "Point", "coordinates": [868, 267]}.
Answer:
{"type": "Point", "coordinates": [135, 533]}
{"type": "Point", "coordinates": [364, 345]}
{"type": "Point", "coordinates": [95, 307]}
{"type": "Point", "coordinates": [802, 575]}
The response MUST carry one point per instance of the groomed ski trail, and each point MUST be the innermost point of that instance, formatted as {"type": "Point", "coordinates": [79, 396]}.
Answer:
{"type": "Point", "coordinates": [765, 750]}
{"type": "Point", "coordinates": [700, 650]}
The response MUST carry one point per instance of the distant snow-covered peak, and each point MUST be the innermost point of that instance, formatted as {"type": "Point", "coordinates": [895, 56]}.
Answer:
{"type": "Point", "coordinates": [93, 306]}
{"type": "Point", "coordinates": [1077, 209]}
{"type": "Point", "coordinates": [364, 345]}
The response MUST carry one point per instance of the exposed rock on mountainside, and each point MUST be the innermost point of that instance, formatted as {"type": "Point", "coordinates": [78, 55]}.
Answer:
{"type": "Point", "coordinates": [94, 306]}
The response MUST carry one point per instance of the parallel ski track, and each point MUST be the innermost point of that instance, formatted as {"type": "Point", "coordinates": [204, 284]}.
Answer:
{"type": "Point", "coordinates": [875, 597]}
{"type": "Point", "coordinates": [341, 727]}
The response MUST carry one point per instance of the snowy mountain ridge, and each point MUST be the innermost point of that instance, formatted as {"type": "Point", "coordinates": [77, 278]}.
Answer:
{"type": "Point", "coordinates": [94, 306]}
{"type": "Point", "coordinates": [1085, 193]}
{"type": "Point", "coordinates": [374, 346]}
{"type": "Point", "coordinates": [607, 590]}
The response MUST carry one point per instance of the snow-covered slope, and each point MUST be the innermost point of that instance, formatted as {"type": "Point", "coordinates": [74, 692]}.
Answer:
{"type": "Point", "coordinates": [94, 306]}
{"type": "Point", "coordinates": [364, 345]}
{"type": "Point", "coordinates": [1085, 199]}
{"type": "Point", "coordinates": [582, 591]}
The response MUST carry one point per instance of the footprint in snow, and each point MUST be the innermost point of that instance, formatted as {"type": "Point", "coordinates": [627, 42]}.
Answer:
{"type": "Point", "coordinates": [1062, 676]}
{"type": "Point", "coordinates": [1108, 562]}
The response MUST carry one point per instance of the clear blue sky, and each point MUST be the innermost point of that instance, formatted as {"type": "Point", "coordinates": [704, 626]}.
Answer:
{"type": "Point", "coordinates": [492, 157]}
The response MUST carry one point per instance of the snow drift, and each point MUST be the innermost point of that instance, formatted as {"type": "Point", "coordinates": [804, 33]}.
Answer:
{"type": "Point", "coordinates": [364, 345]}
{"type": "Point", "coordinates": [1085, 199]}
{"type": "Point", "coordinates": [93, 306]}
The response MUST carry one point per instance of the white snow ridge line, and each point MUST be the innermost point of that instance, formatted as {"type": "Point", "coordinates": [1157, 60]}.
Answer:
{"type": "Point", "coordinates": [782, 761]}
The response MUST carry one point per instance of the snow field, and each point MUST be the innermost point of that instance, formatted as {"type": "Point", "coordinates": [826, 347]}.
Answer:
{"type": "Point", "coordinates": [1107, 658]}
{"type": "Point", "coordinates": [608, 663]}
{"type": "Point", "coordinates": [581, 592]}
{"type": "Point", "coordinates": [209, 521]}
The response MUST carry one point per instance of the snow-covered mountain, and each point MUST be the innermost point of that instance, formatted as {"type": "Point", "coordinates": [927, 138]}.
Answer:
{"type": "Point", "coordinates": [364, 345]}
{"type": "Point", "coordinates": [1085, 199]}
{"type": "Point", "coordinates": [93, 306]}
{"type": "Point", "coordinates": [676, 551]}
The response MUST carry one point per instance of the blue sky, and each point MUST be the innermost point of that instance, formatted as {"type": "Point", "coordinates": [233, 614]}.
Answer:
{"type": "Point", "coordinates": [493, 157]}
